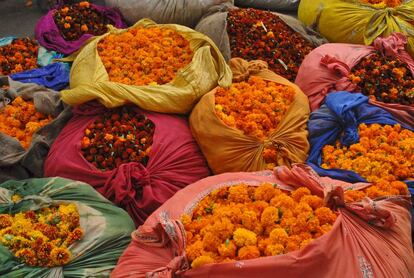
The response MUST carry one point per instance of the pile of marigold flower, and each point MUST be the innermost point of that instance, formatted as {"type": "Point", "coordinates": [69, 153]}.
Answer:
{"type": "Point", "coordinates": [383, 3]}
{"type": "Point", "coordinates": [262, 35]}
{"type": "Point", "coordinates": [255, 107]}
{"type": "Point", "coordinates": [119, 136]}
{"type": "Point", "coordinates": [18, 56]}
{"type": "Point", "coordinates": [384, 156]}
{"type": "Point", "coordinates": [20, 120]}
{"type": "Point", "coordinates": [143, 56]}
{"type": "Point", "coordinates": [243, 222]}
{"type": "Point", "coordinates": [42, 237]}
{"type": "Point", "coordinates": [385, 79]}
{"type": "Point", "coordinates": [75, 20]}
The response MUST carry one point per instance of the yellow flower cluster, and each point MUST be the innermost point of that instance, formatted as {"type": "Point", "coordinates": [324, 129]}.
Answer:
{"type": "Point", "coordinates": [384, 156]}
{"type": "Point", "coordinates": [255, 107]}
{"type": "Point", "coordinates": [42, 237]}
{"type": "Point", "coordinates": [142, 56]}
{"type": "Point", "coordinates": [243, 222]}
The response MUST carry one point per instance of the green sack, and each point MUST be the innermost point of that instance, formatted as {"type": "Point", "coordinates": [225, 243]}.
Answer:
{"type": "Point", "coordinates": [106, 227]}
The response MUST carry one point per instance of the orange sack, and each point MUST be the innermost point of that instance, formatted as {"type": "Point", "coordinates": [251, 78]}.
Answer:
{"type": "Point", "coordinates": [370, 237]}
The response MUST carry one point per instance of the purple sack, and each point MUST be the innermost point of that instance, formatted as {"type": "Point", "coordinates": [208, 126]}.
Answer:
{"type": "Point", "coordinates": [48, 34]}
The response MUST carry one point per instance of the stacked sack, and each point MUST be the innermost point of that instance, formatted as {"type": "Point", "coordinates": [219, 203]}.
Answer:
{"type": "Point", "coordinates": [240, 224]}
{"type": "Point", "coordinates": [383, 71]}
{"type": "Point", "coordinates": [256, 124]}
{"type": "Point", "coordinates": [280, 40]}
{"type": "Point", "coordinates": [24, 60]}
{"type": "Point", "coordinates": [359, 21]}
{"type": "Point", "coordinates": [59, 228]}
{"type": "Point", "coordinates": [31, 119]}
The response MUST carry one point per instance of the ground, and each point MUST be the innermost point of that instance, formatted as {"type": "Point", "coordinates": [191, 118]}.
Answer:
{"type": "Point", "coordinates": [18, 20]}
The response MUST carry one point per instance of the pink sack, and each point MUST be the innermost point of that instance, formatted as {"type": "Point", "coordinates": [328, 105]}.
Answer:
{"type": "Point", "coordinates": [327, 67]}
{"type": "Point", "coordinates": [175, 161]}
{"type": "Point", "coordinates": [371, 238]}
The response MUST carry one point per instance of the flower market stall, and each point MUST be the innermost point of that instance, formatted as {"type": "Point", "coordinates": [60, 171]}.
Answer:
{"type": "Point", "coordinates": [209, 138]}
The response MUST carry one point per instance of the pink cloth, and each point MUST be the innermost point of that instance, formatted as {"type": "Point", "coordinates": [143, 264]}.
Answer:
{"type": "Point", "coordinates": [327, 67]}
{"type": "Point", "coordinates": [369, 238]}
{"type": "Point", "coordinates": [175, 161]}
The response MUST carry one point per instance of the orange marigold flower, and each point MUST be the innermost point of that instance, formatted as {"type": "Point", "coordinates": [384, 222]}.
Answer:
{"type": "Point", "coordinates": [228, 249]}
{"type": "Point", "coordinates": [202, 260]}
{"type": "Point", "coordinates": [239, 193]}
{"type": "Point", "coordinates": [299, 193]}
{"type": "Point", "coordinates": [144, 56]}
{"type": "Point", "coordinates": [325, 215]}
{"type": "Point", "coordinates": [265, 192]}
{"type": "Point", "coordinates": [248, 252]}
{"type": "Point", "coordinates": [279, 236]}
{"type": "Point", "coordinates": [274, 250]}
{"type": "Point", "coordinates": [269, 216]}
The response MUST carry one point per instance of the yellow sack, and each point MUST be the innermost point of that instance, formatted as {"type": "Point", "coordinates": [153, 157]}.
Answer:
{"type": "Point", "coordinates": [351, 21]}
{"type": "Point", "coordinates": [89, 79]}
{"type": "Point", "coordinates": [227, 149]}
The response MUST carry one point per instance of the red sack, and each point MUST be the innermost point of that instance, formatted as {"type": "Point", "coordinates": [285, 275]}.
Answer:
{"type": "Point", "coordinates": [369, 238]}
{"type": "Point", "coordinates": [327, 67]}
{"type": "Point", "coordinates": [175, 161]}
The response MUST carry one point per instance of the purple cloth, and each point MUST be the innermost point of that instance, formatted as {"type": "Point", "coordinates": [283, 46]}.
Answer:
{"type": "Point", "coordinates": [48, 34]}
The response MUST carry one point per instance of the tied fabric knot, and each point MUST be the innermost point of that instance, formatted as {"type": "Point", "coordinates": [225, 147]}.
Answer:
{"type": "Point", "coordinates": [372, 212]}
{"type": "Point", "coordinates": [391, 45]}
{"type": "Point", "coordinates": [350, 135]}
{"type": "Point", "coordinates": [342, 70]}
{"type": "Point", "coordinates": [243, 69]}
{"type": "Point", "coordinates": [131, 177]}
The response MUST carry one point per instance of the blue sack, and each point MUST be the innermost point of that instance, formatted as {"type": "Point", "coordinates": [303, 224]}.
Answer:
{"type": "Point", "coordinates": [54, 76]}
{"type": "Point", "coordinates": [339, 118]}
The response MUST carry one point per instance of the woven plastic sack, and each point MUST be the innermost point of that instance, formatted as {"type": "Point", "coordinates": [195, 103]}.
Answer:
{"type": "Point", "coordinates": [214, 25]}
{"type": "Point", "coordinates": [106, 227]}
{"type": "Point", "coordinates": [273, 5]}
{"type": "Point", "coordinates": [15, 161]}
{"type": "Point", "coordinates": [227, 149]}
{"type": "Point", "coordinates": [184, 12]}
{"type": "Point", "coordinates": [326, 69]}
{"type": "Point", "coordinates": [339, 118]}
{"type": "Point", "coordinates": [48, 34]}
{"type": "Point", "coordinates": [89, 79]}
{"type": "Point", "coordinates": [370, 238]}
{"type": "Point", "coordinates": [352, 21]}
{"type": "Point", "coordinates": [174, 162]}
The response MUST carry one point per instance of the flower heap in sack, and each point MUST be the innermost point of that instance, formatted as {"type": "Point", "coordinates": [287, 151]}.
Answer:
{"type": "Point", "coordinates": [261, 35]}
{"type": "Point", "coordinates": [144, 56]}
{"type": "Point", "coordinates": [255, 107]}
{"type": "Point", "coordinates": [41, 237]}
{"type": "Point", "coordinates": [384, 78]}
{"type": "Point", "coordinates": [78, 19]}
{"type": "Point", "coordinates": [243, 222]}
{"type": "Point", "coordinates": [384, 156]}
{"type": "Point", "coordinates": [21, 120]}
{"type": "Point", "coordinates": [383, 3]}
{"type": "Point", "coordinates": [18, 56]}
{"type": "Point", "coordinates": [119, 136]}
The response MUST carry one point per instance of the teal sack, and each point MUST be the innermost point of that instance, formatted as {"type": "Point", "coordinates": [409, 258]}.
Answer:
{"type": "Point", "coordinates": [106, 227]}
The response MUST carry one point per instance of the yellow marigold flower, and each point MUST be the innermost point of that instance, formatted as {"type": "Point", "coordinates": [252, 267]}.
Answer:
{"type": "Point", "coordinates": [16, 198]}
{"type": "Point", "coordinates": [274, 250]}
{"type": "Point", "coordinates": [279, 236]}
{"type": "Point", "coordinates": [202, 260]}
{"type": "Point", "coordinates": [248, 252]}
{"type": "Point", "coordinates": [60, 256]}
{"type": "Point", "coordinates": [244, 237]}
